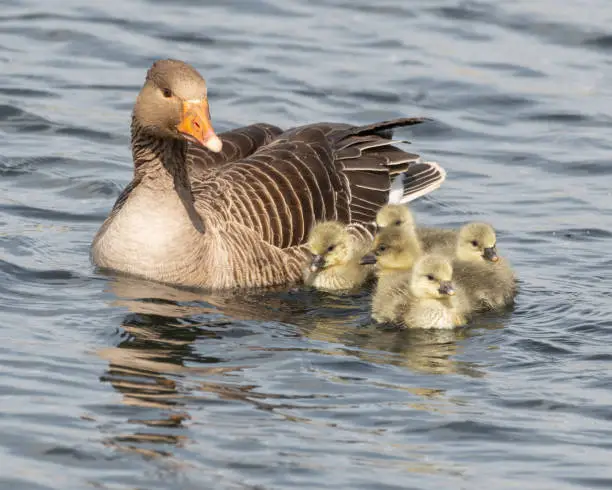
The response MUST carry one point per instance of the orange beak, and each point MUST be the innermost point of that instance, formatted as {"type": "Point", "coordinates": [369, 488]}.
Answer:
{"type": "Point", "coordinates": [196, 126]}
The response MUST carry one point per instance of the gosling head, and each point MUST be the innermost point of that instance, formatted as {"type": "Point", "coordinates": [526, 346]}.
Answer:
{"type": "Point", "coordinates": [394, 215]}
{"type": "Point", "coordinates": [330, 245]}
{"type": "Point", "coordinates": [393, 248]}
{"type": "Point", "coordinates": [432, 278]}
{"type": "Point", "coordinates": [173, 103]}
{"type": "Point", "coordinates": [477, 241]}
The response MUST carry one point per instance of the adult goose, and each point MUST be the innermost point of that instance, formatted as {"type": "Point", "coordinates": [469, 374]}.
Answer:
{"type": "Point", "coordinates": [235, 210]}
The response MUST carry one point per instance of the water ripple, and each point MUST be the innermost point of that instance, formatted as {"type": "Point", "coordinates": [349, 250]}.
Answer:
{"type": "Point", "coordinates": [111, 382]}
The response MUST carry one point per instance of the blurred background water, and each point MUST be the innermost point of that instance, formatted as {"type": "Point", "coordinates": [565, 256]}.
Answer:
{"type": "Point", "coordinates": [121, 384]}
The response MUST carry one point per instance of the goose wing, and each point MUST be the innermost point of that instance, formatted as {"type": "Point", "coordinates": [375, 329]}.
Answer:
{"type": "Point", "coordinates": [238, 143]}
{"type": "Point", "coordinates": [312, 173]}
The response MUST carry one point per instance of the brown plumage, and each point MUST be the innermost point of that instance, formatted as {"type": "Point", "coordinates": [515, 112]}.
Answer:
{"type": "Point", "coordinates": [235, 210]}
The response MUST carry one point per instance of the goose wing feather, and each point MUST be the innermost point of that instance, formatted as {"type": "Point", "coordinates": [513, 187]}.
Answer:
{"type": "Point", "coordinates": [312, 173]}
{"type": "Point", "coordinates": [279, 192]}
{"type": "Point", "coordinates": [238, 143]}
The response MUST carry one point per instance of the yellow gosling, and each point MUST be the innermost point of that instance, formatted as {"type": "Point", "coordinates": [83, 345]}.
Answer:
{"type": "Point", "coordinates": [335, 262]}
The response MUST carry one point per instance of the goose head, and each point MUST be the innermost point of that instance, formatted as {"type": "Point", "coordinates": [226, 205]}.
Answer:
{"type": "Point", "coordinates": [393, 249]}
{"type": "Point", "coordinates": [432, 278]}
{"type": "Point", "coordinates": [477, 241]}
{"type": "Point", "coordinates": [394, 215]}
{"type": "Point", "coordinates": [330, 245]}
{"type": "Point", "coordinates": [173, 104]}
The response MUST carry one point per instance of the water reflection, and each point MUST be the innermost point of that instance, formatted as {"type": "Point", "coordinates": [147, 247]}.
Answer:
{"type": "Point", "coordinates": [158, 367]}
{"type": "Point", "coordinates": [156, 361]}
{"type": "Point", "coordinates": [147, 368]}
{"type": "Point", "coordinates": [424, 351]}
{"type": "Point", "coordinates": [144, 298]}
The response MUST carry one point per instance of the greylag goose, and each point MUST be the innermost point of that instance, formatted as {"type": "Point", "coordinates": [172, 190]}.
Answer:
{"type": "Point", "coordinates": [428, 299]}
{"type": "Point", "coordinates": [235, 210]}
{"type": "Point", "coordinates": [336, 255]}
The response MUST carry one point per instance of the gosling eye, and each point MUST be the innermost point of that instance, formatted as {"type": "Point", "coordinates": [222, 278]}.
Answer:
{"type": "Point", "coordinates": [331, 248]}
{"type": "Point", "coordinates": [398, 222]}
{"type": "Point", "coordinates": [430, 277]}
{"type": "Point", "coordinates": [167, 93]}
{"type": "Point", "coordinates": [382, 248]}
{"type": "Point", "coordinates": [474, 243]}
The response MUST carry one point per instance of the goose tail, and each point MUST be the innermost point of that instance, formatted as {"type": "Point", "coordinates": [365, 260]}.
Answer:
{"type": "Point", "coordinates": [417, 180]}
{"type": "Point", "coordinates": [380, 172]}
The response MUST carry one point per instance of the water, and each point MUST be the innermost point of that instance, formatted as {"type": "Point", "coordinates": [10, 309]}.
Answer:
{"type": "Point", "coordinates": [120, 384]}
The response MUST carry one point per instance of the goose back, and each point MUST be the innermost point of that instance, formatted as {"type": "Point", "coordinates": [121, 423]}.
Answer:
{"type": "Point", "coordinates": [237, 144]}
{"type": "Point", "coordinates": [313, 173]}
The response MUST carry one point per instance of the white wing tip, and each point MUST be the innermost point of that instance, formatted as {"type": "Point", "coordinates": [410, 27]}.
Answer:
{"type": "Point", "coordinates": [396, 193]}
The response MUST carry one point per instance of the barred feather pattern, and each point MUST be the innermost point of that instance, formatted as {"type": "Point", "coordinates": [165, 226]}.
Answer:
{"type": "Point", "coordinates": [241, 218]}
{"type": "Point", "coordinates": [237, 144]}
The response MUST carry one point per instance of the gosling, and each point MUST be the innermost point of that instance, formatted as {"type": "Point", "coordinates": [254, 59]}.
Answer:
{"type": "Point", "coordinates": [486, 278]}
{"type": "Point", "coordinates": [335, 262]}
{"type": "Point", "coordinates": [395, 215]}
{"type": "Point", "coordinates": [393, 250]}
{"type": "Point", "coordinates": [439, 240]}
{"type": "Point", "coordinates": [428, 299]}
{"type": "Point", "coordinates": [394, 253]}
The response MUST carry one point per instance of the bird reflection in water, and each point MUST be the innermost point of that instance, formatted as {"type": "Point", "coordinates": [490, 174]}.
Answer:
{"type": "Point", "coordinates": [424, 351]}
{"type": "Point", "coordinates": [156, 364]}
{"type": "Point", "coordinates": [156, 358]}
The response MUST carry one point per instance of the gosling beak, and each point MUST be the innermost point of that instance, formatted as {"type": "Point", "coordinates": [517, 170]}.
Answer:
{"type": "Point", "coordinates": [491, 254]}
{"type": "Point", "coordinates": [317, 263]}
{"type": "Point", "coordinates": [368, 259]}
{"type": "Point", "coordinates": [446, 287]}
{"type": "Point", "coordinates": [195, 125]}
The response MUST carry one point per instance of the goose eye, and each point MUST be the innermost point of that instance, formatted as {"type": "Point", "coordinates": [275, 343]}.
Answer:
{"type": "Point", "coordinates": [398, 222]}
{"type": "Point", "coordinates": [475, 243]}
{"type": "Point", "coordinates": [331, 248]}
{"type": "Point", "coordinates": [167, 93]}
{"type": "Point", "coordinates": [430, 277]}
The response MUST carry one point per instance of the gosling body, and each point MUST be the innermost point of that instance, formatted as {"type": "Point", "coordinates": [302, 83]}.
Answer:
{"type": "Point", "coordinates": [487, 279]}
{"type": "Point", "coordinates": [427, 299]}
{"type": "Point", "coordinates": [394, 252]}
{"type": "Point", "coordinates": [335, 258]}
